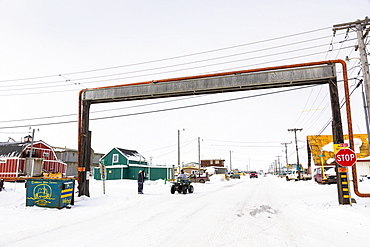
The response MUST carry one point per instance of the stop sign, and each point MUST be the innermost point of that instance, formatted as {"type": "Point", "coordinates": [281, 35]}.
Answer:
{"type": "Point", "coordinates": [346, 157]}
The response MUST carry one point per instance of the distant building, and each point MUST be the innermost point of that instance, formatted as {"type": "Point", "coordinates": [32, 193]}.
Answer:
{"type": "Point", "coordinates": [320, 151]}
{"type": "Point", "coordinates": [215, 162]}
{"type": "Point", "coordinates": [125, 164]}
{"type": "Point", "coordinates": [215, 166]}
{"type": "Point", "coordinates": [70, 157]}
{"type": "Point", "coordinates": [192, 168]}
{"type": "Point", "coordinates": [29, 159]}
{"type": "Point", "coordinates": [363, 168]}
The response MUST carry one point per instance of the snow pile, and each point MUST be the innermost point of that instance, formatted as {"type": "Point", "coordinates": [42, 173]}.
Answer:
{"type": "Point", "coordinates": [267, 211]}
{"type": "Point", "coordinates": [216, 178]}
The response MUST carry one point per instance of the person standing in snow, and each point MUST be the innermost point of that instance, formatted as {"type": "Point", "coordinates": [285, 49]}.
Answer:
{"type": "Point", "coordinates": [140, 182]}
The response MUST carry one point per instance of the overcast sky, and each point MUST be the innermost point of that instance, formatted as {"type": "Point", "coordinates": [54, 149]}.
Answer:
{"type": "Point", "coordinates": [50, 50]}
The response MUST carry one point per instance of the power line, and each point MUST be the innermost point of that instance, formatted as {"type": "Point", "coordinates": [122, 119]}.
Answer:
{"type": "Point", "coordinates": [230, 69]}
{"type": "Point", "coordinates": [330, 120]}
{"type": "Point", "coordinates": [351, 70]}
{"type": "Point", "coordinates": [171, 58]}
{"type": "Point", "coordinates": [33, 87]}
{"type": "Point", "coordinates": [202, 66]}
{"type": "Point", "coordinates": [65, 85]}
{"type": "Point", "coordinates": [235, 141]}
{"type": "Point", "coordinates": [167, 109]}
{"type": "Point", "coordinates": [106, 110]}
{"type": "Point", "coordinates": [326, 105]}
{"type": "Point", "coordinates": [211, 59]}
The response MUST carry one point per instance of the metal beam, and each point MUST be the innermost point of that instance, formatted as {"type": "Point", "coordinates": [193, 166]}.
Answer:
{"type": "Point", "coordinates": [215, 83]}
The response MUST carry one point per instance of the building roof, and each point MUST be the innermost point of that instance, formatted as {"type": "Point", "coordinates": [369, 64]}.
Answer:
{"type": "Point", "coordinates": [15, 149]}
{"type": "Point", "coordinates": [12, 149]}
{"type": "Point", "coordinates": [132, 154]}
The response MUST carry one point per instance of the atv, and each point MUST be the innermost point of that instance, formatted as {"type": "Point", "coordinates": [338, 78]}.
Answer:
{"type": "Point", "coordinates": [181, 186]}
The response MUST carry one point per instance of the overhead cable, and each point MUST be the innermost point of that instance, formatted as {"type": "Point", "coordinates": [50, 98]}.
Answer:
{"type": "Point", "coordinates": [163, 110]}
{"type": "Point", "coordinates": [172, 58]}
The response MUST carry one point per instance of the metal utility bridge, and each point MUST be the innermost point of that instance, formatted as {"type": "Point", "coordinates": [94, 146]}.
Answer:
{"type": "Point", "coordinates": [264, 78]}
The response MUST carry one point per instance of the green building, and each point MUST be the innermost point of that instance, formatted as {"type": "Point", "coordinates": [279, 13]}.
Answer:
{"type": "Point", "coordinates": [122, 163]}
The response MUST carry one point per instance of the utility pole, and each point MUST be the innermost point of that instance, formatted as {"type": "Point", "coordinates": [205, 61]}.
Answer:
{"type": "Point", "coordinates": [364, 64]}
{"type": "Point", "coordinates": [230, 161]}
{"type": "Point", "coordinates": [150, 165]}
{"type": "Point", "coordinates": [32, 161]}
{"type": "Point", "coordinates": [178, 150]}
{"type": "Point", "coordinates": [198, 156]}
{"type": "Point", "coordinates": [279, 173]}
{"type": "Point", "coordinates": [342, 172]}
{"type": "Point", "coordinates": [286, 152]}
{"type": "Point", "coordinates": [360, 26]}
{"type": "Point", "coordinates": [296, 148]}
{"type": "Point", "coordinates": [365, 110]}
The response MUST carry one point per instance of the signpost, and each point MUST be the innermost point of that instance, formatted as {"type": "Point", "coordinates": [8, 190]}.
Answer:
{"type": "Point", "coordinates": [322, 166]}
{"type": "Point", "coordinates": [345, 157]}
{"type": "Point", "coordinates": [103, 173]}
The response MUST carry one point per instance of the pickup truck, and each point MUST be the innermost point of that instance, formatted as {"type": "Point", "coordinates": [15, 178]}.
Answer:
{"type": "Point", "coordinates": [293, 175]}
{"type": "Point", "coordinates": [328, 175]}
{"type": "Point", "coordinates": [235, 175]}
{"type": "Point", "coordinates": [253, 174]}
{"type": "Point", "coordinates": [199, 178]}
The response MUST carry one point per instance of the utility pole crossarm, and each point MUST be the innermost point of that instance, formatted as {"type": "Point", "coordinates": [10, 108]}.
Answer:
{"type": "Point", "coordinates": [352, 24]}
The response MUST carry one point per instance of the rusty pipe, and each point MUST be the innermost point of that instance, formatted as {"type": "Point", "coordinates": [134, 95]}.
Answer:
{"type": "Point", "coordinates": [350, 129]}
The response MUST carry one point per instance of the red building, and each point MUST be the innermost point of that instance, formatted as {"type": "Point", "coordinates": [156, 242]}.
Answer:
{"type": "Point", "coordinates": [28, 159]}
{"type": "Point", "coordinates": [215, 162]}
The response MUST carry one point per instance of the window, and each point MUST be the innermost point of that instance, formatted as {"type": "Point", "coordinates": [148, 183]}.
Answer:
{"type": "Point", "coordinates": [115, 158]}
{"type": "Point", "coordinates": [217, 162]}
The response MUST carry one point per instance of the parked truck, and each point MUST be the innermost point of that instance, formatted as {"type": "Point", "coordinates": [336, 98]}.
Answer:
{"type": "Point", "coordinates": [294, 175]}
{"type": "Point", "coordinates": [202, 178]}
{"type": "Point", "coordinates": [325, 175]}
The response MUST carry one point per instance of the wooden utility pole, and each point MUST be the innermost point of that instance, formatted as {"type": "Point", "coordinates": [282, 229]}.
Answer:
{"type": "Point", "coordinates": [360, 26]}
{"type": "Point", "coordinates": [84, 151]}
{"type": "Point", "coordinates": [337, 129]}
{"type": "Point", "coordinates": [279, 165]}
{"type": "Point", "coordinates": [296, 148]}
{"type": "Point", "coordinates": [32, 161]}
{"type": "Point", "coordinates": [178, 151]}
{"type": "Point", "coordinates": [286, 152]}
{"type": "Point", "coordinates": [230, 162]}
{"type": "Point", "coordinates": [198, 156]}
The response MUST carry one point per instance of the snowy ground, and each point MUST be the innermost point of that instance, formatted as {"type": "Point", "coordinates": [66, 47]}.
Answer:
{"type": "Point", "coordinates": [267, 211]}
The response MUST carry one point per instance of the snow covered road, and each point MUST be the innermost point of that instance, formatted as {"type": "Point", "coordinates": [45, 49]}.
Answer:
{"type": "Point", "coordinates": [267, 211]}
